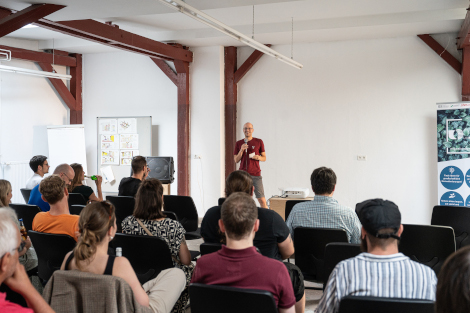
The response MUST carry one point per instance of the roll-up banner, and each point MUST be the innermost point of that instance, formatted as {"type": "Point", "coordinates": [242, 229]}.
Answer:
{"type": "Point", "coordinates": [453, 153]}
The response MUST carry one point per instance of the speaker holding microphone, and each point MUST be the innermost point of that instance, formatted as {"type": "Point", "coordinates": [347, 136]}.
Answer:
{"type": "Point", "coordinates": [161, 168]}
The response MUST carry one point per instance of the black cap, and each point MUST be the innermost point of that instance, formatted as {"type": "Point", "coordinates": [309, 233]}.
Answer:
{"type": "Point", "coordinates": [377, 214]}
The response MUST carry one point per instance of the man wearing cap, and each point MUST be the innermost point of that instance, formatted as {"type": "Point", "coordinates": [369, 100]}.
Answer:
{"type": "Point", "coordinates": [380, 271]}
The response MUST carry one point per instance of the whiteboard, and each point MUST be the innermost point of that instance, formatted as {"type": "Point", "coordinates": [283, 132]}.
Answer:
{"type": "Point", "coordinates": [138, 133]}
{"type": "Point", "coordinates": [66, 145]}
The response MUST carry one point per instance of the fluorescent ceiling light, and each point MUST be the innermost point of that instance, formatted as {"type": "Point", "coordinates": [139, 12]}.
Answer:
{"type": "Point", "coordinates": [211, 22]}
{"type": "Point", "coordinates": [29, 26]}
{"type": "Point", "coordinates": [20, 70]}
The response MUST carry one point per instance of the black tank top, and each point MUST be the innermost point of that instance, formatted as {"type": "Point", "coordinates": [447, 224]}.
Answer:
{"type": "Point", "coordinates": [109, 265]}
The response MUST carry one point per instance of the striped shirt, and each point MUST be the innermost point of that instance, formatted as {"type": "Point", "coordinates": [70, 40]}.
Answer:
{"type": "Point", "coordinates": [391, 276]}
{"type": "Point", "coordinates": [325, 212]}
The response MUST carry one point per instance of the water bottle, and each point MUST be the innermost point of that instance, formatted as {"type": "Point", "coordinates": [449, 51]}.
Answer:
{"type": "Point", "coordinates": [23, 231]}
{"type": "Point", "coordinates": [118, 251]}
{"type": "Point", "coordinates": [93, 177]}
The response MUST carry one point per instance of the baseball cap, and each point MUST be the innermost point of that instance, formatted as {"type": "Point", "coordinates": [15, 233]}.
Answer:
{"type": "Point", "coordinates": [377, 214]}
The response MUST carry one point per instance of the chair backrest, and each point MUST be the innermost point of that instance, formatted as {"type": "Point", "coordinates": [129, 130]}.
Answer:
{"type": "Point", "coordinates": [429, 245]}
{"type": "Point", "coordinates": [51, 250]}
{"type": "Point", "coordinates": [290, 205]}
{"type": "Point", "coordinates": [336, 252]}
{"type": "Point", "coordinates": [207, 247]}
{"type": "Point", "coordinates": [353, 304]}
{"type": "Point", "coordinates": [309, 244]}
{"type": "Point", "coordinates": [170, 215]}
{"type": "Point", "coordinates": [221, 201]}
{"type": "Point", "coordinates": [76, 209]}
{"type": "Point", "coordinates": [76, 198]}
{"type": "Point", "coordinates": [148, 255]}
{"type": "Point", "coordinates": [184, 208]}
{"type": "Point", "coordinates": [212, 298]}
{"type": "Point", "coordinates": [456, 217]}
{"type": "Point", "coordinates": [27, 212]}
{"type": "Point", "coordinates": [124, 207]}
{"type": "Point", "coordinates": [25, 193]}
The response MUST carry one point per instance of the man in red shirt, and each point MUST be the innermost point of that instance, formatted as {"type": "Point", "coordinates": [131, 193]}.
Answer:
{"type": "Point", "coordinates": [13, 274]}
{"type": "Point", "coordinates": [250, 151]}
{"type": "Point", "coordinates": [238, 264]}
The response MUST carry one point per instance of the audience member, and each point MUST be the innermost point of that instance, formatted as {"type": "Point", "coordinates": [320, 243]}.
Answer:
{"type": "Point", "coordinates": [39, 165]}
{"type": "Point", "coordinates": [272, 238]}
{"type": "Point", "coordinates": [324, 211]}
{"type": "Point", "coordinates": [380, 271]}
{"type": "Point", "coordinates": [238, 264]}
{"type": "Point", "coordinates": [129, 185]}
{"type": "Point", "coordinates": [5, 193]}
{"type": "Point", "coordinates": [453, 285]}
{"type": "Point", "coordinates": [77, 184]}
{"type": "Point", "coordinates": [97, 227]}
{"type": "Point", "coordinates": [65, 172]}
{"type": "Point", "coordinates": [58, 220]}
{"type": "Point", "coordinates": [12, 273]}
{"type": "Point", "coordinates": [148, 219]}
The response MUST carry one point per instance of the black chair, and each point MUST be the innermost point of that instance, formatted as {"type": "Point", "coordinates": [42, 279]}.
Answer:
{"type": "Point", "coordinates": [76, 198]}
{"type": "Point", "coordinates": [456, 217]}
{"type": "Point", "coordinates": [27, 212]}
{"type": "Point", "coordinates": [309, 244]}
{"type": "Point", "coordinates": [429, 245]}
{"type": "Point", "coordinates": [185, 209]}
{"type": "Point", "coordinates": [25, 193]}
{"type": "Point", "coordinates": [51, 250]}
{"type": "Point", "coordinates": [336, 252]}
{"type": "Point", "coordinates": [354, 304]}
{"type": "Point", "coordinates": [76, 209]}
{"type": "Point", "coordinates": [290, 205]}
{"type": "Point", "coordinates": [221, 201]}
{"type": "Point", "coordinates": [207, 247]}
{"type": "Point", "coordinates": [124, 207]}
{"type": "Point", "coordinates": [13, 296]}
{"type": "Point", "coordinates": [170, 215]}
{"type": "Point", "coordinates": [212, 298]}
{"type": "Point", "coordinates": [148, 255]}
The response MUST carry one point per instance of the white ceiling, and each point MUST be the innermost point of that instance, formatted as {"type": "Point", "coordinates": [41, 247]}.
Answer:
{"type": "Point", "coordinates": [314, 20]}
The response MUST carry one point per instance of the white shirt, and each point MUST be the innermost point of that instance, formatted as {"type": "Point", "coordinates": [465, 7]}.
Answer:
{"type": "Point", "coordinates": [33, 181]}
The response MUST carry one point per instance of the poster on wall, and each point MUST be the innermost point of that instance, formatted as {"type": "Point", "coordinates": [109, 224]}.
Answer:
{"type": "Point", "coordinates": [127, 126]}
{"type": "Point", "coordinates": [108, 126]}
{"type": "Point", "coordinates": [109, 142]}
{"type": "Point", "coordinates": [130, 141]}
{"type": "Point", "coordinates": [127, 155]}
{"type": "Point", "coordinates": [453, 153]}
{"type": "Point", "coordinates": [110, 157]}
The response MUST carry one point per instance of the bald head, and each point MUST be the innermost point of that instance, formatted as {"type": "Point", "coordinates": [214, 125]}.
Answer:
{"type": "Point", "coordinates": [248, 130]}
{"type": "Point", "coordinates": [65, 172]}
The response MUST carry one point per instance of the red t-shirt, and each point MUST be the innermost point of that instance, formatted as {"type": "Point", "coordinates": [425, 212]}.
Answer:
{"type": "Point", "coordinates": [10, 307]}
{"type": "Point", "coordinates": [247, 269]}
{"type": "Point", "coordinates": [255, 145]}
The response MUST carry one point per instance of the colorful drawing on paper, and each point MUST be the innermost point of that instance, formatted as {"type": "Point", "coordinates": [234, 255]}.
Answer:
{"type": "Point", "coordinates": [130, 141]}
{"type": "Point", "coordinates": [110, 157]}
{"type": "Point", "coordinates": [127, 125]}
{"type": "Point", "coordinates": [127, 155]}
{"type": "Point", "coordinates": [108, 126]}
{"type": "Point", "coordinates": [109, 142]}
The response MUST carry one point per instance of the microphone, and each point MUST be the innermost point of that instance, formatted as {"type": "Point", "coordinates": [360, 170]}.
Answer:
{"type": "Point", "coordinates": [246, 141]}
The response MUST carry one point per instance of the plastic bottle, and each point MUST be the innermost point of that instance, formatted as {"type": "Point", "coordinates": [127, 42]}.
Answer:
{"type": "Point", "coordinates": [118, 251]}
{"type": "Point", "coordinates": [23, 231]}
{"type": "Point", "coordinates": [93, 177]}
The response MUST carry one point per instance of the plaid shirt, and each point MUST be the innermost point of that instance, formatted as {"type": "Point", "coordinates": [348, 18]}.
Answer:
{"type": "Point", "coordinates": [325, 212]}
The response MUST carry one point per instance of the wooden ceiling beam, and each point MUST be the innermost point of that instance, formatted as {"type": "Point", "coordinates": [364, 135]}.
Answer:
{"type": "Point", "coordinates": [166, 69]}
{"type": "Point", "coordinates": [11, 22]}
{"type": "Point", "coordinates": [37, 56]}
{"type": "Point", "coordinates": [464, 34]}
{"type": "Point", "coordinates": [442, 52]}
{"type": "Point", "coordinates": [248, 64]}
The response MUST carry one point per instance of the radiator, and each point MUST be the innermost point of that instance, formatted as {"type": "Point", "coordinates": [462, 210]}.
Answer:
{"type": "Point", "coordinates": [17, 173]}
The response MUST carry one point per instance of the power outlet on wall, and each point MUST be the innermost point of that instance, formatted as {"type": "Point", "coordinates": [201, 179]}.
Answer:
{"type": "Point", "coordinates": [197, 156]}
{"type": "Point", "coordinates": [361, 158]}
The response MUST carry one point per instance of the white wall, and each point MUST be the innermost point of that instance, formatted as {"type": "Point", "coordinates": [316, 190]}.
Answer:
{"type": "Point", "coordinates": [374, 98]}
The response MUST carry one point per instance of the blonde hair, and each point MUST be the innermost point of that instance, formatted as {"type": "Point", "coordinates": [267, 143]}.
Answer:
{"type": "Point", "coordinates": [5, 188]}
{"type": "Point", "coordinates": [95, 221]}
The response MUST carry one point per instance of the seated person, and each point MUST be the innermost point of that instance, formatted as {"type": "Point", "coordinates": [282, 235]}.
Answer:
{"type": "Point", "coordinates": [129, 185]}
{"type": "Point", "coordinates": [58, 220]}
{"type": "Point", "coordinates": [39, 165]}
{"type": "Point", "coordinates": [97, 227]}
{"type": "Point", "coordinates": [453, 286]}
{"type": "Point", "coordinates": [148, 219]}
{"type": "Point", "coordinates": [272, 238]}
{"type": "Point", "coordinates": [65, 172]}
{"type": "Point", "coordinates": [5, 193]}
{"type": "Point", "coordinates": [77, 186]}
{"type": "Point", "coordinates": [13, 274]}
{"type": "Point", "coordinates": [388, 272]}
{"type": "Point", "coordinates": [238, 264]}
{"type": "Point", "coordinates": [324, 211]}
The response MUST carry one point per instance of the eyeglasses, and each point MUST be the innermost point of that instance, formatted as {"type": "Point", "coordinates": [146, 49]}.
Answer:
{"type": "Point", "coordinates": [67, 176]}
{"type": "Point", "coordinates": [19, 249]}
{"type": "Point", "coordinates": [247, 128]}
